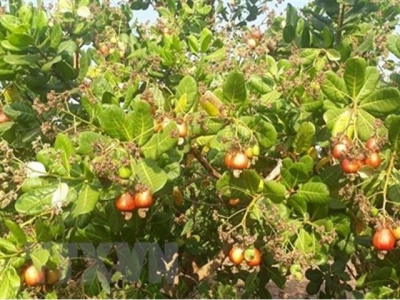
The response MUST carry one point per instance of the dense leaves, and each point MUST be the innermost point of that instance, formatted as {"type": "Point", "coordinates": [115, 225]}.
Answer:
{"type": "Point", "coordinates": [95, 105]}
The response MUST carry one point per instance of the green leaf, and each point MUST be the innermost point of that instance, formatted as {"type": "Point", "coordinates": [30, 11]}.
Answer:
{"type": "Point", "coordinates": [193, 43]}
{"type": "Point", "coordinates": [264, 131]}
{"type": "Point", "coordinates": [365, 123]}
{"type": "Point", "coordinates": [56, 36]}
{"type": "Point", "coordinates": [9, 22]}
{"type": "Point", "coordinates": [22, 112]}
{"type": "Point", "coordinates": [47, 66]}
{"type": "Point", "coordinates": [7, 247]}
{"type": "Point", "coordinates": [234, 89]}
{"type": "Point", "coordinates": [68, 47]}
{"type": "Point", "coordinates": [65, 70]}
{"type": "Point", "coordinates": [9, 282]}
{"type": "Point", "coordinates": [86, 140]}
{"type": "Point", "coordinates": [64, 143]}
{"type": "Point", "coordinates": [334, 88]}
{"type": "Point", "coordinates": [309, 55]}
{"type": "Point", "coordinates": [354, 75]}
{"type": "Point", "coordinates": [298, 203]}
{"type": "Point", "coordinates": [247, 184]}
{"type": "Point", "coordinates": [394, 132]}
{"type": "Point", "coordinates": [150, 174]}
{"type": "Point", "coordinates": [36, 201]}
{"type": "Point", "coordinates": [161, 142]}
{"type": "Point", "coordinates": [39, 258]}
{"type": "Point", "coordinates": [371, 80]}
{"type": "Point", "coordinates": [187, 86]}
{"type": "Point", "coordinates": [275, 191]}
{"type": "Point", "coordinates": [17, 232]}
{"type": "Point", "coordinates": [305, 137]}
{"type": "Point", "coordinates": [116, 124]}
{"type": "Point", "coordinates": [22, 60]}
{"type": "Point", "coordinates": [289, 33]}
{"type": "Point", "coordinates": [205, 39]}
{"type": "Point", "coordinates": [393, 44]}
{"type": "Point", "coordinates": [333, 55]}
{"type": "Point", "coordinates": [382, 102]}
{"type": "Point", "coordinates": [339, 120]}
{"type": "Point", "coordinates": [315, 192]}
{"type": "Point", "coordinates": [86, 202]}
{"type": "Point", "coordinates": [142, 121]}
{"type": "Point", "coordinates": [21, 40]}
{"type": "Point", "coordinates": [306, 242]}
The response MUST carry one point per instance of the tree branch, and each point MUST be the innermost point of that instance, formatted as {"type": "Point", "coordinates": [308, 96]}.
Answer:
{"type": "Point", "coordinates": [205, 163]}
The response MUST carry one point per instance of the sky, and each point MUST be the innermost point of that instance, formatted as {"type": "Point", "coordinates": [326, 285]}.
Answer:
{"type": "Point", "coordinates": [151, 15]}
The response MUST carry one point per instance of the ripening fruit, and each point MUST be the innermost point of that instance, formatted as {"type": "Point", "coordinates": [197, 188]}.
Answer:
{"type": "Point", "coordinates": [236, 255]}
{"type": "Point", "coordinates": [143, 199]}
{"type": "Point", "coordinates": [124, 172]}
{"type": "Point", "coordinates": [125, 202]}
{"type": "Point", "coordinates": [256, 150]}
{"type": "Point", "coordinates": [252, 257]}
{"type": "Point", "coordinates": [32, 276]}
{"type": "Point", "coordinates": [256, 33]}
{"type": "Point", "coordinates": [383, 239]}
{"type": "Point", "coordinates": [372, 144]}
{"type": "Point", "coordinates": [239, 161]}
{"type": "Point", "coordinates": [52, 277]}
{"type": "Point", "coordinates": [351, 165]}
{"type": "Point", "coordinates": [182, 128]}
{"type": "Point", "coordinates": [234, 202]}
{"type": "Point", "coordinates": [3, 117]}
{"type": "Point", "coordinates": [249, 152]}
{"type": "Point", "coordinates": [339, 150]}
{"type": "Point", "coordinates": [373, 159]}
{"type": "Point", "coordinates": [252, 43]}
{"type": "Point", "coordinates": [345, 140]}
{"type": "Point", "coordinates": [104, 49]}
{"type": "Point", "coordinates": [396, 233]}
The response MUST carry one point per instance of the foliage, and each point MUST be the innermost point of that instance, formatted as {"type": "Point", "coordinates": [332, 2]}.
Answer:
{"type": "Point", "coordinates": [94, 104]}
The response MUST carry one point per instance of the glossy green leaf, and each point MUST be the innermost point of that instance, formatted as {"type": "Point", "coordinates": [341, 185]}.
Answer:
{"type": "Point", "coordinates": [305, 137]}
{"type": "Point", "coordinates": [36, 201]}
{"type": "Point", "coordinates": [10, 22]}
{"type": "Point", "coordinates": [393, 44]}
{"type": "Point", "coordinates": [234, 89]}
{"type": "Point", "coordinates": [247, 184]}
{"type": "Point", "coordinates": [86, 201]}
{"type": "Point", "coordinates": [315, 192]}
{"type": "Point", "coordinates": [161, 142]}
{"type": "Point", "coordinates": [372, 76]}
{"type": "Point", "coordinates": [17, 232]}
{"type": "Point", "coordinates": [274, 191]}
{"type": "Point", "coordinates": [187, 86]}
{"type": "Point", "coordinates": [21, 40]}
{"type": "Point", "coordinates": [22, 60]}
{"type": "Point", "coordinates": [334, 88]}
{"type": "Point", "coordinates": [64, 144]}
{"type": "Point", "coordinates": [365, 124]}
{"type": "Point", "coordinates": [9, 283]}
{"type": "Point", "coordinates": [116, 123]}
{"type": "Point", "coordinates": [382, 102]}
{"type": "Point", "coordinates": [86, 141]}
{"type": "Point", "coordinates": [205, 39]}
{"type": "Point", "coordinates": [150, 174]}
{"type": "Point", "coordinates": [39, 258]}
{"type": "Point", "coordinates": [354, 75]}
{"type": "Point", "coordinates": [142, 121]}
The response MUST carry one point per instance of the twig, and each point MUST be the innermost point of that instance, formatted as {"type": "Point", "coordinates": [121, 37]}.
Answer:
{"type": "Point", "coordinates": [205, 163]}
